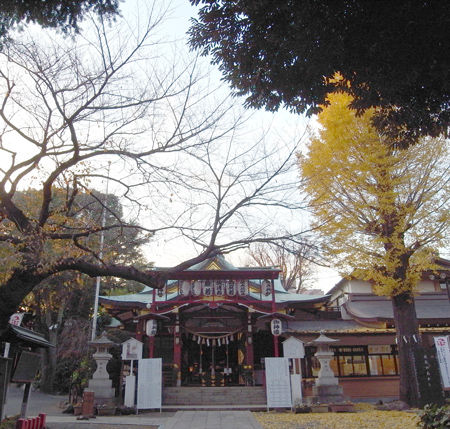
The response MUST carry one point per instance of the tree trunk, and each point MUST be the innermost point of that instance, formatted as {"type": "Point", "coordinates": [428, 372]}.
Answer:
{"type": "Point", "coordinates": [409, 346]}
{"type": "Point", "coordinates": [12, 293]}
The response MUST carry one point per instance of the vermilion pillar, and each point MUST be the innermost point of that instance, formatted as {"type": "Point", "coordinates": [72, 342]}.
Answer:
{"type": "Point", "coordinates": [139, 330]}
{"type": "Point", "coordinates": [151, 346]}
{"type": "Point", "coordinates": [249, 356]}
{"type": "Point", "coordinates": [276, 350]}
{"type": "Point", "coordinates": [177, 349]}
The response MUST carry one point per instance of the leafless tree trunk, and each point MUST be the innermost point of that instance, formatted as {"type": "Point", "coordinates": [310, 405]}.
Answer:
{"type": "Point", "coordinates": [69, 107]}
{"type": "Point", "coordinates": [295, 261]}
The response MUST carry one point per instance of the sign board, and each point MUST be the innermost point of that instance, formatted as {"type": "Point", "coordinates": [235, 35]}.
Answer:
{"type": "Point", "coordinates": [16, 319]}
{"type": "Point", "coordinates": [278, 383]}
{"type": "Point", "coordinates": [149, 391]}
{"type": "Point", "coordinates": [26, 368]}
{"type": "Point", "coordinates": [131, 349]}
{"type": "Point", "coordinates": [293, 348]}
{"type": "Point", "coordinates": [443, 357]}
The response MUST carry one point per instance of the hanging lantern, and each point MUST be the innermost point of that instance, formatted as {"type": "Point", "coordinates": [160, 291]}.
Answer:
{"type": "Point", "coordinates": [243, 287]}
{"type": "Point", "coordinates": [219, 287]}
{"type": "Point", "coordinates": [231, 288]}
{"type": "Point", "coordinates": [276, 327]}
{"type": "Point", "coordinates": [161, 292]}
{"type": "Point", "coordinates": [207, 288]}
{"type": "Point", "coordinates": [185, 288]}
{"type": "Point", "coordinates": [207, 342]}
{"type": "Point", "coordinates": [199, 340]}
{"type": "Point", "coordinates": [218, 342]}
{"type": "Point", "coordinates": [151, 327]}
{"type": "Point", "coordinates": [197, 288]}
{"type": "Point", "coordinates": [266, 287]}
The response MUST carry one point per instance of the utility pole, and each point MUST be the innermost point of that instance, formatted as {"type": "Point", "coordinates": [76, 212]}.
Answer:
{"type": "Point", "coordinates": [100, 254]}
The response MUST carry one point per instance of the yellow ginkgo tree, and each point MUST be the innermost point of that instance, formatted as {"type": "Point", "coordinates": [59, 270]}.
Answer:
{"type": "Point", "coordinates": [382, 212]}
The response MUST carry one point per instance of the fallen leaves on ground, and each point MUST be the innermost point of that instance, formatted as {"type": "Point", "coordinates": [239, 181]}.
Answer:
{"type": "Point", "coordinates": [360, 420]}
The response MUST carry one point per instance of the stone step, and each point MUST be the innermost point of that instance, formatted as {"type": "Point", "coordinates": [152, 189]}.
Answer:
{"type": "Point", "coordinates": [213, 396]}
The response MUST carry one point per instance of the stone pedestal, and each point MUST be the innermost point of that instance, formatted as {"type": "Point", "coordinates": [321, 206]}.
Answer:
{"type": "Point", "coordinates": [326, 389]}
{"type": "Point", "coordinates": [100, 383]}
{"type": "Point", "coordinates": [328, 394]}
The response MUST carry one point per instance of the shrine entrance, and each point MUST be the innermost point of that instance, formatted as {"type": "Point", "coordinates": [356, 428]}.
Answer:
{"type": "Point", "coordinates": [212, 360]}
{"type": "Point", "coordinates": [213, 345]}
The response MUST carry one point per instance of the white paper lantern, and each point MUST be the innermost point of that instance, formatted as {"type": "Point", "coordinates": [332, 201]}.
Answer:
{"type": "Point", "coordinates": [185, 288]}
{"type": "Point", "coordinates": [219, 287]}
{"type": "Point", "coordinates": [276, 327]}
{"type": "Point", "coordinates": [207, 288]}
{"type": "Point", "coordinates": [266, 287]}
{"type": "Point", "coordinates": [231, 288]}
{"type": "Point", "coordinates": [151, 327]}
{"type": "Point", "coordinates": [243, 287]}
{"type": "Point", "coordinates": [197, 288]}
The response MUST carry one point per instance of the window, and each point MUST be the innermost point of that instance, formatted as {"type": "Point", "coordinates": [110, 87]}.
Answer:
{"type": "Point", "coordinates": [356, 361]}
{"type": "Point", "coordinates": [351, 361]}
{"type": "Point", "coordinates": [383, 360]}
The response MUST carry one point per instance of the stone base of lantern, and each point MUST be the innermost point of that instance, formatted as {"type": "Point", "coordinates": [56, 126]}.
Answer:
{"type": "Point", "coordinates": [103, 390]}
{"type": "Point", "coordinates": [327, 395]}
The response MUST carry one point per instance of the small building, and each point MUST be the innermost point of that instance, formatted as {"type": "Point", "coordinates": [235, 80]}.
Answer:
{"type": "Point", "coordinates": [212, 326]}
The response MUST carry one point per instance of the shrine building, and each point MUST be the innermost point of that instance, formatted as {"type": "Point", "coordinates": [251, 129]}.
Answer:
{"type": "Point", "coordinates": [213, 324]}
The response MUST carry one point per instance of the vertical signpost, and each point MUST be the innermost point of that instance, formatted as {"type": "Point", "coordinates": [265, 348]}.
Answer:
{"type": "Point", "coordinates": [278, 383]}
{"type": "Point", "coordinates": [443, 356]}
{"type": "Point", "coordinates": [294, 350]}
{"type": "Point", "coordinates": [131, 350]}
{"type": "Point", "coordinates": [149, 384]}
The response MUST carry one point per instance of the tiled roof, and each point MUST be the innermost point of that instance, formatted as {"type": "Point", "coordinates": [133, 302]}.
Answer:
{"type": "Point", "coordinates": [371, 307]}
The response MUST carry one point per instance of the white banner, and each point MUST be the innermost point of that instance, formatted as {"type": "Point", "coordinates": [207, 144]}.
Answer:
{"type": "Point", "coordinates": [149, 390]}
{"type": "Point", "coordinates": [443, 356]}
{"type": "Point", "coordinates": [278, 383]}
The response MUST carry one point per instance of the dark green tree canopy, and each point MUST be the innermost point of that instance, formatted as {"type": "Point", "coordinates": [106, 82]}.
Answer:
{"type": "Point", "coordinates": [62, 14]}
{"type": "Point", "coordinates": [392, 55]}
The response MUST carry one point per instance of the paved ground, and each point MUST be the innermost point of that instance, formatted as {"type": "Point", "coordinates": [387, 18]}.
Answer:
{"type": "Point", "coordinates": [212, 420]}
{"type": "Point", "coordinates": [52, 406]}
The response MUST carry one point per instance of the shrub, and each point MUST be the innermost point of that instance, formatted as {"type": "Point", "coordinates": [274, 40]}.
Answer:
{"type": "Point", "coordinates": [434, 417]}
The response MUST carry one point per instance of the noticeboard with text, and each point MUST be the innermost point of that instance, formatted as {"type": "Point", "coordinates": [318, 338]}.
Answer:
{"type": "Point", "coordinates": [26, 368]}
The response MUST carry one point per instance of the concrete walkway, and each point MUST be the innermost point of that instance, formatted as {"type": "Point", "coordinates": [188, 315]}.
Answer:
{"type": "Point", "coordinates": [51, 405]}
{"type": "Point", "coordinates": [212, 420]}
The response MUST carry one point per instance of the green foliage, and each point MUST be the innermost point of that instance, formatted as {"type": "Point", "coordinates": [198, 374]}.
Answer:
{"type": "Point", "coordinates": [434, 417]}
{"type": "Point", "coordinates": [62, 14]}
{"type": "Point", "coordinates": [380, 211]}
{"type": "Point", "coordinates": [286, 52]}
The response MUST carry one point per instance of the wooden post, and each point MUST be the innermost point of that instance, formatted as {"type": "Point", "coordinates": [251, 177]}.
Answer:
{"type": "Point", "coordinates": [26, 396]}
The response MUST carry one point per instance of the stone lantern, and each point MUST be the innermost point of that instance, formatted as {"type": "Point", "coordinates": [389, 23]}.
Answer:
{"type": "Point", "coordinates": [100, 383]}
{"type": "Point", "coordinates": [326, 388]}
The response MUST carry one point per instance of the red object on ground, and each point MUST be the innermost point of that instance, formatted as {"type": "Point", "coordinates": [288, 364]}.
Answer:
{"type": "Point", "coordinates": [32, 422]}
{"type": "Point", "coordinates": [87, 409]}
{"type": "Point", "coordinates": [43, 420]}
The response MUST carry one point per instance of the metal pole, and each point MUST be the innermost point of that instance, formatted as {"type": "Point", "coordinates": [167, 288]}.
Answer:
{"type": "Point", "coordinates": [102, 242]}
